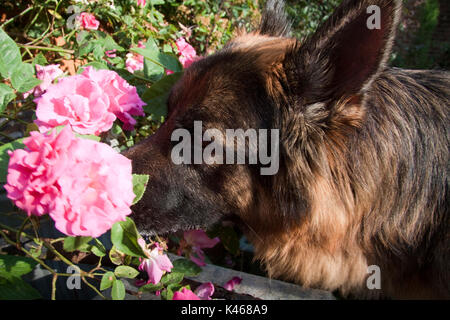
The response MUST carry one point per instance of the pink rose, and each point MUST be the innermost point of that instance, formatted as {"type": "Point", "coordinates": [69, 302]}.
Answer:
{"type": "Point", "coordinates": [124, 101]}
{"type": "Point", "coordinates": [141, 3]}
{"type": "Point", "coordinates": [135, 61]}
{"type": "Point", "coordinates": [33, 171]}
{"type": "Point", "coordinates": [84, 185]}
{"type": "Point", "coordinates": [96, 188]}
{"type": "Point", "coordinates": [47, 74]}
{"type": "Point", "coordinates": [198, 240]}
{"type": "Point", "coordinates": [232, 283]}
{"type": "Point", "coordinates": [185, 294]}
{"type": "Point", "coordinates": [88, 21]}
{"type": "Point", "coordinates": [89, 103]}
{"type": "Point", "coordinates": [186, 51]}
{"type": "Point", "coordinates": [76, 101]}
{"type": "Point", "coordinates": [155, 265]}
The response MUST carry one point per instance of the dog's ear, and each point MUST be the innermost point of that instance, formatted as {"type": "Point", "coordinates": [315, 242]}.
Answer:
{"type": "Point", "coordinates": [346, 53]}
{"type": "Point", "coordinates": [274, 21]}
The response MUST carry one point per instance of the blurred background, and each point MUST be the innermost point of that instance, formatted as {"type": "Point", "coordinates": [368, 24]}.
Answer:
{"type": "Point", "coordinates": [422, 42]}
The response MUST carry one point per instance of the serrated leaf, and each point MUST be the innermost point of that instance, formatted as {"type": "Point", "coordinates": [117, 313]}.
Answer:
{"type": "Point", "coordinates": [187, 267]}
{"type": "Point", "coordinates": [6, 96]}
{"type": "Point", "coordinates": [173, 277]}
{"type": "Point", "coordinates": [76, 243]}
{"type": "Point", "coordinates": [10, 58]}
{"type": "Point", "coordinates": [150, 287]}
{"type": "Point", "coordinates": [126, 272]}
{"type": "Point", "coordinates": [4, 157]}
{"type": "Point", "coordinates": [139, 185]}
{"type": "Point", "coordinates": [124, 236]}
{"type": "Point", "coordinates": [118, 290]}
{"type": "Point", "coordinates": [107, 280]}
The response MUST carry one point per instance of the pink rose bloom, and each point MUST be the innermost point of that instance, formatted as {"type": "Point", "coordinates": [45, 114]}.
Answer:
{"type": "Point", "coordinates": [155, 265]}
{"type": "Point", "coordinates": [84, 185]}
{"type": "Point", "coordinates": [47, 74]}
{"type": "Point", "coordinates": [124, 101]}
{"type": "Point", "coordinates": [186, 51]}
{"type": "Point", "coordinates": [76, 101]}
{"type": "Point", "coordinates": [205, 291]}
{"type": "Point", "coordinates": [96, 188]}
{"type": "Point", "coordinates": [33, 171]}
{"type": "Point", "coordinates": [198, 240]}
{"type": "Point", "coordinates": [232, 283]}
{"type": "Point", "coordinates": [135, 61]}
{"type": "Point", "coordinates": [88, 21]}
{"type": "Point", "coordinates": [141, 3]}
{"type": "Point", "coordinates": [185, 294]}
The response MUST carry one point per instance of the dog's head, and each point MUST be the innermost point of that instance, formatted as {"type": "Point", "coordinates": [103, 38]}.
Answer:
{"type": "Point", "coordinates": [311, 90]}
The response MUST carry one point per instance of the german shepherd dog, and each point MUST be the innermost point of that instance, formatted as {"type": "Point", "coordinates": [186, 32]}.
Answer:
{"type": "Point", "coordinates": [363, 156]}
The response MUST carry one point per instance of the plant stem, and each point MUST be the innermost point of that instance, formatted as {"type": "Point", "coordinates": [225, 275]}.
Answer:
{"type": "Point", "coordinates": [55, 276]}
{"type": "Point", "coordinates": [13, 18]}
{"type": "Point", "coordinates": [54, 49]}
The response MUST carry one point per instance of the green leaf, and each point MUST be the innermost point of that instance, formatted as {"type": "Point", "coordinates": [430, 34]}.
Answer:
{"type": "Point", "coordinates": [187, 267]}
{"type": "Point", "coordinates": [151, 287]}
{"type": "Point", "coordinates": [152, 71]}
{"type": "Point", "coordinates": [76, 243]}
{"type": "Point", "coordinates": [124, 236]}
{"type": "Point", "coordinates": [15, 288]}
{"type": "Point", "coordinates": [173, 277]}
{"type": "Point", "coordinates": [6, 96]}
{"type": "Point", "coordinates": [14, 266]}
{"type": "Point", "coordinates": [4, 157]}
{"type": "Point", "coordinates": [126, 272]}
{"type": "Point", "coordinates": [40, 60]}
{"type": "Point", "coordinates": [118, 290]}
{"type": "Point", "coordinates": [23, 78]}
{"type": "Point", "coordinates": [10, 58]}
{"type": "Point", "coordinates": [168, 293]}
{"type": "Point", "coordinates": [95, 64]}
{"type": "Point", "coordinates": [139, 185]}
{"type": "Point", "coordinates": [156, 96]}
{"type": "Point", "coordinates": [98, 248]}
{"type": "Point", "coordinates": [165, 60]}
{"type": "Point", "coordinates": [107, 280]}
